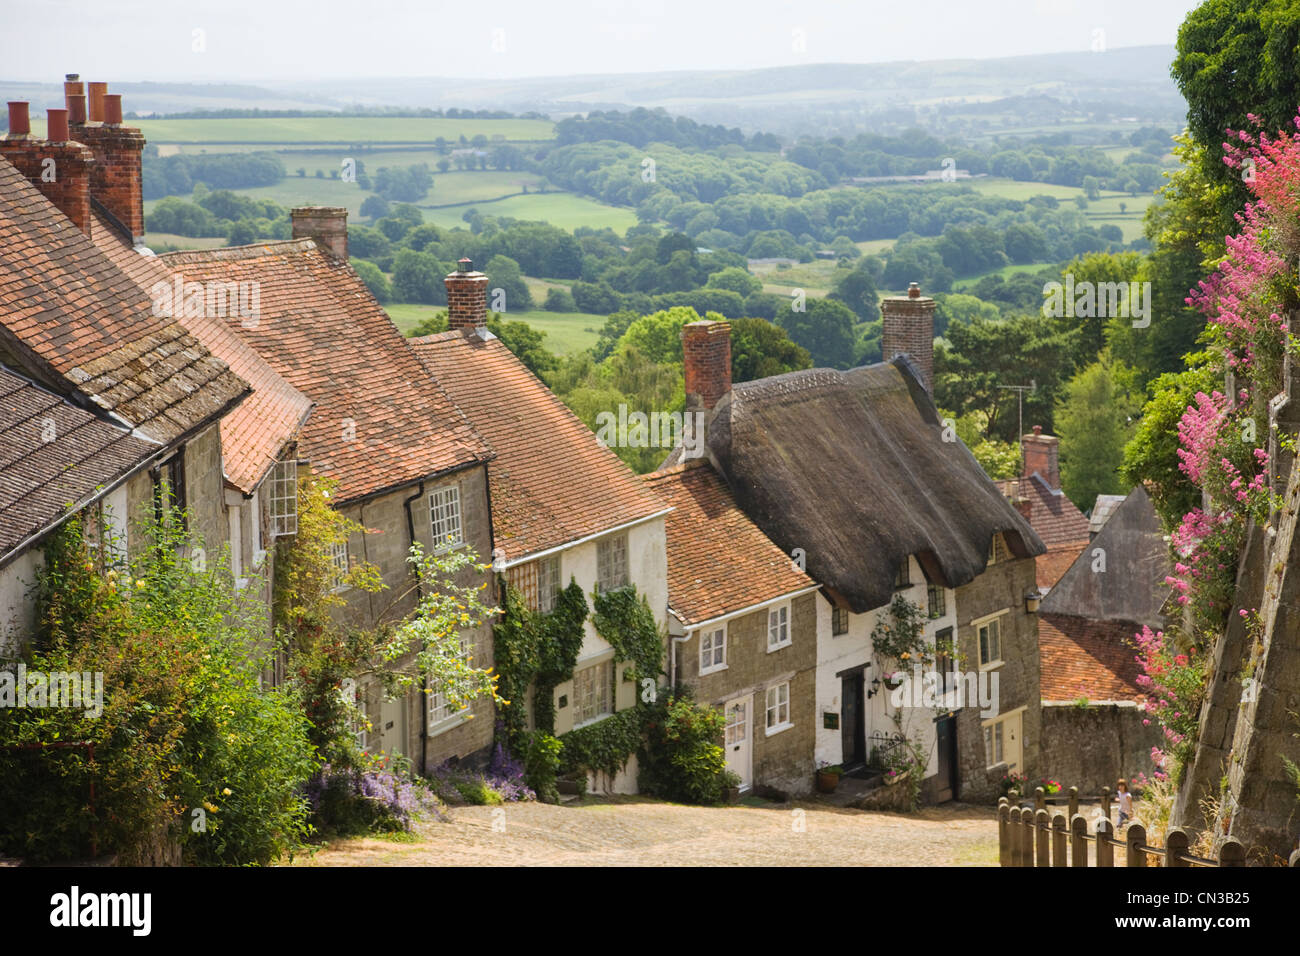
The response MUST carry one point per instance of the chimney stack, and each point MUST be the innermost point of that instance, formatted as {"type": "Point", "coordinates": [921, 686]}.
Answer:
{"type": "Point", "coordinates": [908, 329]}
{"type": "Point", "coordinates": [116, 179]}
{"type": "Point", "coordinates": [327, 225]}
{"type": "Point", "coordinates": [706, 357]}
{"type": "Point", "coordinates": [466, 297]}
{"type": "Point", "coordinates": [1041, 457]}
{"type": "Point", "coordinates": [56, 166]}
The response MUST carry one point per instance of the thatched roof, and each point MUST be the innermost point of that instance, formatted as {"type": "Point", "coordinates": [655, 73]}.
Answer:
{"type": "Point", "coordinates": [852, 467]}
{"type": "Point", "coordinates": [1133, 587]}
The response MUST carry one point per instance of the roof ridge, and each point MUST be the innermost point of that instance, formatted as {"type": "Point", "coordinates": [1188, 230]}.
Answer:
{"type": "Point", "coordinates": [257, 250]}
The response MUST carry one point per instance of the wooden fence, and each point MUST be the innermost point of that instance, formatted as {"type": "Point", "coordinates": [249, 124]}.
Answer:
{"type": "Point", "coordinates": [1034, 837]}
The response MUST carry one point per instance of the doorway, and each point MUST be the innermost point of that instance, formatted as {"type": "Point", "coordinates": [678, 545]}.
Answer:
{"type": "Point", "coordinates": [853, 722]}
{"type": "Point", "coordinates": [945, 732]}
{"type": "Point", "coordinates": [738, 740]}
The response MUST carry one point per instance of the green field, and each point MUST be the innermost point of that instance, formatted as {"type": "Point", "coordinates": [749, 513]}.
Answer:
{"type": "Point", "coordinates": [1006, 272]}
{"type": "Point", "coordinates": [566, 332]}
{"type": "Point", "coordinates": [565, 210]}
{"type": "Point", "coordinates": [341, 129]}
{"type": "Point", "coordinates": [816, 278]}
{"type": "Point", "coordinates": [1015, 189]}
{"type": "Point", "coordinates": [160, 241]}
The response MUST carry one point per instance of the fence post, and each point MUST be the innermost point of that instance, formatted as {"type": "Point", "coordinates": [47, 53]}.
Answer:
{"type": "Point", "coordinates": [1232, 853]}
{"type": "Point", "coordinates": [1134, 838]}
{"type": "Point", "coordinates": [1078, 840]}
{"type": "Point", "coordinates": [1040, 799]}
{"type": "Point", "coordinates": [1043, 857]}
{"type": "Point", "coordinates": [1074, 802]}
{"type": "Point", "coordinates": [1027, 837]}
{"type": "Point", "coordinates": [1105, 801]}
{"type": "Point", "coordinates": [1058, 840]}
{"type": "Point", "coordinates": [1105, 852]}
{"type": "Point", "coordinates": [1013, 835]}
{"type": "Point", "coordinates": [1004, 834]}
{"type": "Point", "coordinates": [1176, 844]}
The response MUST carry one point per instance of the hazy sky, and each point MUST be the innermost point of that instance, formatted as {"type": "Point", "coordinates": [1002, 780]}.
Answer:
{"type": "Point", "coordinates": [128, 40]}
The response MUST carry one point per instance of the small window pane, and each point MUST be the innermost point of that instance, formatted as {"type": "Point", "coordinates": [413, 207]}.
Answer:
{"type": "Point", "coordinates": [611, 563]}
{"type": "Point", "coordinates": [284, 498]}
{"type": "Point", "coordinates": [444, 518]}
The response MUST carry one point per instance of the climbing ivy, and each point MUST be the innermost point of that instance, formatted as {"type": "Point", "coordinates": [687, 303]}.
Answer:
{"type": "Point", "coordinates": [624, 619]}
{"type": "Point", "coordinates": [604, 746]}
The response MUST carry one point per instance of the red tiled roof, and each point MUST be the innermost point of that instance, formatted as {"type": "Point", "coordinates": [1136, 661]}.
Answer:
{"type": "Point", "coordinates": [253, 434]}
{"type": "Point", "coordinates": [1083, 658]}
{"type": "Point", "coordinates": [380, 421]}
{"type": "Point", "coordinates": [718, 560]}
{"type": "Point", "coordinates": [1051, 566]}
{"type": "Point", "coordinates": [54, 455]}
{"type": "Point", "coordinates": [552, 482]}
{"type": "Point", "coordinates": [69, 313]}
{"type": "Point", "coordinates": [1051, 514]}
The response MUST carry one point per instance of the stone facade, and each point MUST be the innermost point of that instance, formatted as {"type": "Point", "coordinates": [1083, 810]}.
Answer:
{"type": "Point", "coordinates": [1094, 746]}
{"type": "Point", "coordinates": [1001, 588]}
{"type": "Point", "coordinates": [784, 760]}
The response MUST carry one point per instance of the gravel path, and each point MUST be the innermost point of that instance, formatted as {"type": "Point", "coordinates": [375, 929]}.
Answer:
{"type": "Point", "coordinates": [636, 831]}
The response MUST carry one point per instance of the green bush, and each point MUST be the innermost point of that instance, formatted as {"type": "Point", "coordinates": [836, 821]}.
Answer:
{"type": "Point", "coordinates": [683, 759]}
{"type": "Point", "coordinates": [542, 765]}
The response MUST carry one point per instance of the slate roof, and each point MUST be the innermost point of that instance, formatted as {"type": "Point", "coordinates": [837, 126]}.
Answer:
{"type": "Point", "coordinates": [40, 480]}
{"type": "Point", "coordinates": [1082, 658]}
{"type": "Point", "coordinates": [852, 468]}
{"type": "Point", "coordinates": [1102, 509]}
{"type": "Point", "coordinates": [380, 420]}
{"type": "Point", "coordinates": [1132, 588]}
{"type": "Point", "coordinates": [552, 482]}
{"type": "Point", "coordinates": [718, 560]}
{"type": "Point", "coordinates": [254, 433]}
{"type": "Point", "coordinates": [73, 319]}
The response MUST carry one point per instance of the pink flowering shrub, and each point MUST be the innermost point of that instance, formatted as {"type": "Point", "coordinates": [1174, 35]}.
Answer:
{"type": "Point", "coordinates": [1174, 683]}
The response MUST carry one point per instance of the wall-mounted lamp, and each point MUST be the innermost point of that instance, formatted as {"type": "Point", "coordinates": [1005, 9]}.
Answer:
{"type": "Point", "coordinates": [1032, 600]}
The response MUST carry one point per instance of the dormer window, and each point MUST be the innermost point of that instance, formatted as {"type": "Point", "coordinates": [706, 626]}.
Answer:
{"type": "Point", "coordinates": [903, 579]}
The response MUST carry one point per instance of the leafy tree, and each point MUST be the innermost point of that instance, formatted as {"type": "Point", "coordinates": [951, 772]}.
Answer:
{"type": "Point", "coordinates": [503, 273]}
{"type": "Point", "coordinates": [736, 280]}
{"type": "Point", "coordinates": [760, 349]}
{"type": "Point", "coordinates": [375, 280]}
{"type": "Point", "coordinates": [857, 290]}
{"type": "Point", "coordinates": [241, 233]}
{"type": "Point", "coordinates": [559, 300]}
{"type": "Point", "coordinates": [374, 207]}
{"type": "Point", "coordinates": [418, 277]}
{"type": "Point", "coordinates": [825, 329]}
{"type": "Point", "coordinates": [1094, 420]}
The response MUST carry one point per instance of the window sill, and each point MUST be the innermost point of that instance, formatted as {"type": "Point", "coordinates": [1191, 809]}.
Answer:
{"type": "Point", "coordinates": [991, 665]}
{"type": "Point", "coordinates": [776, 647]}
{"type": "Point", "coordinates": [455, 720]}
{"type": "Point", "coordinates": [594, 720]}
{"type": "Point", "coordinates": [704, 671]}
{"type": "Point", "coordinates": [779, 728]}
{"type": "Point", "coordinates": [447, 548]}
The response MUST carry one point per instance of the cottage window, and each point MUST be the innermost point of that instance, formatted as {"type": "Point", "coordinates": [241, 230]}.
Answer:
{"type": "Point", "coordinates": [713, 650]}
{"type": "Point", "coordinates": [360, 725]}
{"type": "Point", "coordinates": [593, 692]}
{"type": "Point", "coordinates": [444, 519]}
{"type": "Point", "coordinates": [611, 563]}
{"type": "Point", "coordinates": [993, 744]}
{"type": "Point", "coordinates": [903, 579]}
{"type": "Point", "coordinates": [778, 627]}
{"type": "Point", "coordinates": [548, 583]}
{"type": "Point", "coordinates": [284, 498]}
{"type": "Point", "coordinates": [990, 641]}
{"type": "Point", "coordinates": [440, 706]}
{"type": "Point", "coordinates": [523, 578]}
{"type": "Point", "coordinates": [938, 600]}
{"type": "Point", "coordinates": [943, 660]}
{"type": "Point", "coordinates": [998, 549]}
{"type": "Point", "coordinates": [339, 560]}
{"type": "Point", "coordinates": [1002, 743]}
{"type": "Point", "coordinates": [169, 490]}
{"type": "Point", "coordinates": [839, 621]}
{"type": "Point", "coordinates": [778, 708]}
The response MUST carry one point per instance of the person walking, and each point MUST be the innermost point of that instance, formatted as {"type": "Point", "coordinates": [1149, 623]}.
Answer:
{"type": "Point", "coordinates": [1124, 802]}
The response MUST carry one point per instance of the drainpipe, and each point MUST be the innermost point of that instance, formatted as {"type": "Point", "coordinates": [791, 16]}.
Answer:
{"type": "Point", "coordinates": [419, 593]}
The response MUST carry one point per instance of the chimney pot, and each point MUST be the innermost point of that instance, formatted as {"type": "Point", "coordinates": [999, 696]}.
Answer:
{"type": "Point", "coordinates": [112, 109]}
{"type": "Point", "coordinates": [1038, 429]}
{"type": "Point", "coordinates": [326, 225]}
{"type": "Point", "coordinates": [464, 265]}
{"type": "Point", "coordinates": [96, 100]}
{"type": "Point", "coordinates": [19, 122]}
{"type": "Point", "coordinates": [56, 126]}
{"type": "Point", "coordinates": [914, 290]}
{"type": "Point", "coordinates": [77, 109]}
{"type": "Point", "coordinates": [706, 361]}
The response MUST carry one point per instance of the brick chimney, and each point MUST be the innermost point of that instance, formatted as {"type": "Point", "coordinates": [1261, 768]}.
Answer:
{"type": "Point", "coordinates": [909, 330]}
{"type": "Point", "coordinates": [57, 166]}
{"type": "Point", "coordinates": [1041, 456]}
{"type": "Point", "coordinates": [117, 178]}
{"type": "Point", "coordinates": [706, 355]}
{"type": "Point", "coordinates": [328, 225]}
{"type": "Point", "coordinates": [466, 297]}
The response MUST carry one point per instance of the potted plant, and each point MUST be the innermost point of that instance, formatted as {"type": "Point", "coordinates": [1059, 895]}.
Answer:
{"type": "Point", "coordinates": [828, 776]}
{"type": "Point", "coordinates": [893, 679]}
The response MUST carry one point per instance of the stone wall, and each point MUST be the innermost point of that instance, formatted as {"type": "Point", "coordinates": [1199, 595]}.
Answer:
{"type": "Point", "coordinates": [1093, 747]}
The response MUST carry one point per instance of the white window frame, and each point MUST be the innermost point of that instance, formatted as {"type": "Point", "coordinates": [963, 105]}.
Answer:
{"type": "Point", "coordinates": [445, 519]}
{"type": "Point", "coordinates": [602, 670]}
{"type": "Point", "coordinates": [979, 625]}
{"type": "Point", "coordinates": [776, 708]}
{"type": "Point", "coordinates": [339, 558]}
{"type": "Point", "coordinates": [995, 739]}
{"type": "Point", "coordinates": [546, 594]}
{"type": "Point", "coordinates": [778, 626]}
{"type": "Point", "coordinates": [841, 613]}
{"type": "Point", "coordinates": [284, 498]}
{"type": "Point", "coordinates": [441, 716]}
{"type": "Point", "coordinates": [713, 649]}
{"type": "Point", "coordinates": [608, 557]}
